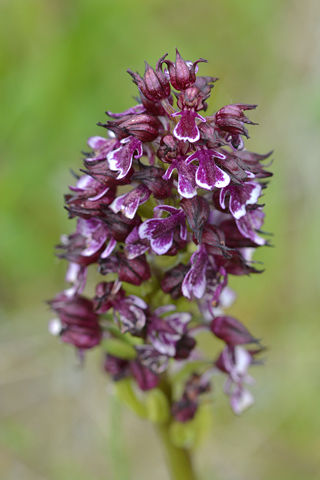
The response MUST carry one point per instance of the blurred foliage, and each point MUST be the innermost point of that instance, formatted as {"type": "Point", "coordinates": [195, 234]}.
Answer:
{"type": "Point", "coordinates": [63, 63]}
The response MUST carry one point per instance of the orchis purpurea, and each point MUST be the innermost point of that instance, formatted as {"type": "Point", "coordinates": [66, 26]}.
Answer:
{"type": "Point", "coordinates": [167, 208]}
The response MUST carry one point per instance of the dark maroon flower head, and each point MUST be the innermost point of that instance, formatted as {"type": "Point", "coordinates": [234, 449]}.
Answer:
{"type": "Point", "coordinates": [79, 322]}
{"type": "Point", "coordinates": [155, 85]}
{"type": "Point", "coordinates": [231, 331]}
{"type": "Point", "coordinates": [167, 204]}
{"type": "Point", "coordinates": [182, 74]}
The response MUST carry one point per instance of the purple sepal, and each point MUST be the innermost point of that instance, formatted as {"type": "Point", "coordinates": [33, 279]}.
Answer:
{"type": "Point", "coordinates": [187, 129]}
{"type": "Point", "coordinates": [240, 196]}
{"type": "Point", "coordinates": [145, 378]}
{"type": "Point", "coordinates": [164, 333]}
{"type": "Point", "coordinates": [95, 232]}
{"type": "Point", "coordinates": [152, 177]}
{"type": "Point", "coordinates": [197, 211]}
{"type": "Point", "coordinates": [117, 367]}
{"type": "Point", "coordinates": [186, 177]}
{"type": "Point", "coordinates": [135, 110]}
{"type": "Point", "coordinates": [128, 203]}
{"type": "Point", "coordinates": [77, 276]}
{"type": "Point", "coordinates": [160, 230]}
{"type": "Point", "coordinates": [134, 271]}
{"type": "Point", "coordinates": [121, 159]}
{"type": "Point", "coordinates": [182, 73]}
{"type": "Point", "coordinates": [235, 362]}
{"type": "Point", "coordinates": [250, 223]}
{"type": "Point", "coordinates": [209, 175]}
{"type": "Point", "coordinates": [152, 359]}
{"type": "Point", "coordinates": [195, 280]}
{"type": "Point", "coordinates": [102, 147]}
{"type": "Point", "coordinates": [231, 331]}
{"type": "Point", "coordinates": [172, 280]}
{"type": "Point", "coordinates": [79, 322]}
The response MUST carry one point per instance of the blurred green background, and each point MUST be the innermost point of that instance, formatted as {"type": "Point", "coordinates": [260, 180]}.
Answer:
{"type": "Point", "coordinates": [63, 63]}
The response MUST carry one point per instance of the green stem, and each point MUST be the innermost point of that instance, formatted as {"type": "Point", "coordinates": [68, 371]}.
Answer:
{"type": "Point", "coordinates": [178, 459]}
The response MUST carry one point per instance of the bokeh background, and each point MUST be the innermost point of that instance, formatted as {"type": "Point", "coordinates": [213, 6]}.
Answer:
{"type": "Point", "coordinates": [63, 63]}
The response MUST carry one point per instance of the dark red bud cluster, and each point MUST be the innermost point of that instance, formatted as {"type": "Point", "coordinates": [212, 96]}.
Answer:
{"type": "Point", "coordinates": [144, 127]}
{"type": "Point", "coordinates": [182, 73]}
{"type": "Point", "coordinates": [154, 85]}
{"type": "Point", "coordinates": [231, 119]}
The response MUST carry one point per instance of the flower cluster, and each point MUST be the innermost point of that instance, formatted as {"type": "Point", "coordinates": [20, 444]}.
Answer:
{"type": "Point", "coordinates": [167, 207]}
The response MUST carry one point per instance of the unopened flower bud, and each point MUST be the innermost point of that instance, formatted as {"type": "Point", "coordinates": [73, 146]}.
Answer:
{"type": "Point", "coordinates": [182, 74]}
{"type": "Point", "coordinates": [155, 85]}
{"type": "Point", "coordinates": [231, 331]}
{"type": "Point", "coordinates": [232, 119]}
{"type": "Point", "coordinates": [197, 211]}
{"type": "Point", "coordinates": [79, 322]}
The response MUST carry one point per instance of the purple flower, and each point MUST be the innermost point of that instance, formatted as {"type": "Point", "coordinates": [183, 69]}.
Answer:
{"type": "Point", "coordinates": [182, 73]}
{"type": "Point", "coordinates": [160, 231]}
{"type": "Point", "coordinates": [120, 369]}
{"type": "Point", "coordinates": [208, 175]}
{"type": "Point", "coordinates": [121, 159]}
{"type": "Point", "coordinates": [102, 146]}
{"type": "Point", "coordinates": [166, 205]}
{"type": "Point", "coordinates": [250, 224]}
{"type": "Point", "coordinates": [129, 202]}
{"type": "Point", "coordinates": [155, 85]}
{"type": "Point", "coordinates": [186, 128]}
{"type": "Point", "coordinates": [195, 280]}
{"type": "Point", "coordinates": [78, 321]}
{"type": "Point", "coordinates": [235, 362]}
{"type": "Point", "coordinates": [186, 177]}
{"type": "Point", "coordinates": [128, 310]}
{"type": "Point", "coordinates": [164, 333]}
{"type": "Point", "coordinates": [240, 196]}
